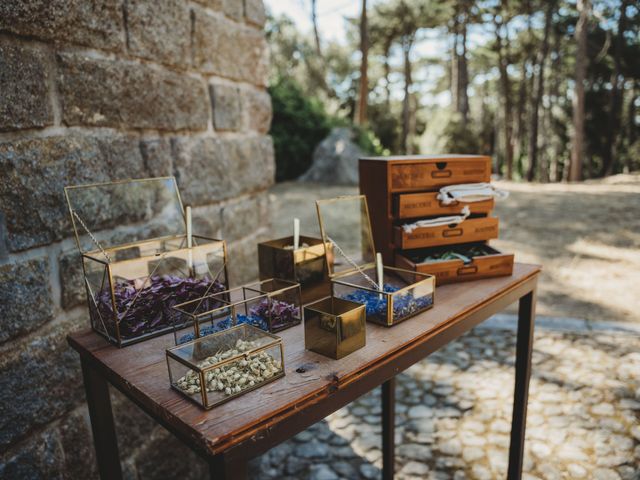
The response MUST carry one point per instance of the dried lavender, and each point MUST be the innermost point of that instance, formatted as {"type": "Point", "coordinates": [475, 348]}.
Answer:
{"type": "Point", "coordinates": [146, 310]}
{"type": "Point", "coordinates": [282, 314]}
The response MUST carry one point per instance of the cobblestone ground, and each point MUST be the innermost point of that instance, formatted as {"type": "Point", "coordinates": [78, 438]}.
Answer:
{"type": "Point", "coordinates": [453, 415]}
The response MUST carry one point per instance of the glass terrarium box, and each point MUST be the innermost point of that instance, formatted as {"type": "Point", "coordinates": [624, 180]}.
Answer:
{"type": "Point", "coordinates": [140, 257]}
{"type": "Point", "coordinates": [390, 295]}
{"type": "Point", "coordinates": [272, 305]}
{"type": "Point", "coordinates": [228, 364]}
{"type": "Point", "coordinates": [306, 265]}
{"type": "Point", "coordinates": [334, 327]}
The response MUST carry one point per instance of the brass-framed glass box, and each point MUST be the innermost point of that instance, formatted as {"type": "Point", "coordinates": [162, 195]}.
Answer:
{"type": "Point", "coordinates": [229, 363]}
{"type": "Point", "coordinates": [306, 265]}
{"type": "Point", "coordinates": [134, 244]}
{"type": "Point", "coordinates": [334, 327]}
{"type": "Point", "coordinates": [281, 309]}
{"type": "Point", "coordinates": [344, 223]}
{"type": "Point", "coordinates": [272, 305]}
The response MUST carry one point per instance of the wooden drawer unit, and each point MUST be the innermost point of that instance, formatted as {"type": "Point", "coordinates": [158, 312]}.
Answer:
{"type": "Point", "coordinates": [385, 179]}
{"type": "Point", "coordinates": [402, 190]}
{"type": "Point", "coordinates": [426, 204]}
{"type": "Point", "coordinates": [470, 230]}
{"type": "Point", "coordinates": [485, 263]}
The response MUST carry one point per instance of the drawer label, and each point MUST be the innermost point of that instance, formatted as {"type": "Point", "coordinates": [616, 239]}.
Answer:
{"type": "Point", "coordinates": [421, 235]}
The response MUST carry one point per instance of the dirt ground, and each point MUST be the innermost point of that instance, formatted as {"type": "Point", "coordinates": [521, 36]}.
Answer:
{"type": "Point", "coordinates": [586, 236]}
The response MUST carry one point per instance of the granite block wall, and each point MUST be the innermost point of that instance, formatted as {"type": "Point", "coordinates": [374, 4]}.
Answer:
{"type": "Point", "coordinates": [98, 90]}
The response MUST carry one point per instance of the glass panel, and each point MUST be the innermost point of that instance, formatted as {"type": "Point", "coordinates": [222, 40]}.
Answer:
{"type": "Point", "coordinates": [153, 205]}
{"type": "Point", "coordinates": [201, 317]}
{"type": "Point", "coordinates": [185, 379]}
{"type": "Point", "coordinates": [199, 350]}
{"type": "Point", "coordinates": [254, 310]}
{"type": "Point", "coordinates": [345, 222]}
{"type": "Point", "coordinates": [406, 301]}
{"type": "Point", "coordinates": [283, 307]}
{"type": "Point", "coordinates": [98, 290]}
{"type": "Point", "coordinates": [241, 375]}
{"type": "Point", "coordinates": [417, 298]}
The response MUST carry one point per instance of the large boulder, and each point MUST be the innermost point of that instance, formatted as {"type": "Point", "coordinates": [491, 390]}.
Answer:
{"type": "Point", "coordinates": [335, 159]}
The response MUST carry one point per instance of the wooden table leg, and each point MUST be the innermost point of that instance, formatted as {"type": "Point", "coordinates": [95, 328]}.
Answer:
{"type": "Point", "coordinates": [220, 468]}
{"type": "Point", "coordinates": [388, 428]}
{"type": "Point", "coordinates": [104, 431]}
{"type": "Point", "coordinates": [524, 344]}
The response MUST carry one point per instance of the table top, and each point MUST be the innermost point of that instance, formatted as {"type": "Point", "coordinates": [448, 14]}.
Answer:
{"type": "Point", "coordinates": [140, 370]}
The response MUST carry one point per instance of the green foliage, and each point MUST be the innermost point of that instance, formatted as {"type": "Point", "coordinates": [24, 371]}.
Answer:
{"type": "Point", "coordinates": [299, 124]}
{"type": "Point", "coordinates": [321, 89]}
{"type": "Point", "coordinates": [460, 137]}
{"type": "Point", "coordinates": [367, 141]}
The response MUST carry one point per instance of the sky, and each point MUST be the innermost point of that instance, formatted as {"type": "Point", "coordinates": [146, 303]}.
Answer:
{"type": "Point", "coordinates": [331, 15]}
{"type": "Point", "coordinates": [332, 26]}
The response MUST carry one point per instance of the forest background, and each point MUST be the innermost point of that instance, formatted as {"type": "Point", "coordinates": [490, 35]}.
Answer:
{"type": "Point", "coordinates": [549, 89]}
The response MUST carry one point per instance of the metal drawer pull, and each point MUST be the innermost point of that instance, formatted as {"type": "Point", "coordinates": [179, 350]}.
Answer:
{"type": "Point", "coordinates": [470, 270]}
{"type": "Point", "coordinates": [455, 232]}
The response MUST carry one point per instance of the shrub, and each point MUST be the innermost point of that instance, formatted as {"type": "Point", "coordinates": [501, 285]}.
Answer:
{"type": "Point", "coordinates": [299, 124]}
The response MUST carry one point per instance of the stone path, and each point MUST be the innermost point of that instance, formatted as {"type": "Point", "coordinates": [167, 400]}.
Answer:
{"type": "Point", "coordinates": [454, 409]}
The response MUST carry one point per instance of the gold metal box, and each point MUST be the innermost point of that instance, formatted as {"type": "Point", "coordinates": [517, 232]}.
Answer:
{"type": "Point", "coordinates": [133, 240]}
{"type": "Point", "coordinates": [272, 305]}
{"type": "Point", "coordinates": [334, 327]}
{"type": "Point", "coordinates": [344, 223]}
{"type": "Point", "coordinates": [229, 363]}
{"type": "Point", "coordinates": [305, 265]}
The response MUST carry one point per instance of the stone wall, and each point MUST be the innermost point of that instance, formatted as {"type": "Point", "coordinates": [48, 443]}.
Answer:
{"type": "Point", "coordinates": [95, 90]}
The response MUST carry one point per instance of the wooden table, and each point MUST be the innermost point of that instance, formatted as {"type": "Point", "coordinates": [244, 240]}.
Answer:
{"type": "Point", "coordinates": [313, 387]}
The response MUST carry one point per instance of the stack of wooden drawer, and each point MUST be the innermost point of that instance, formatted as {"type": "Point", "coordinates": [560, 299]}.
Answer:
{"type": "Point", "coordinates": [402, 190]}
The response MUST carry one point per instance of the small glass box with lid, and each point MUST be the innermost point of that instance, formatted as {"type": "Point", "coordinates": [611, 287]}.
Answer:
{"type": "Point", "coordinates": [398, 295]}
{"type": "Point", "coordinates": [139, 257]}
{"type": "Point", "coordinates": [229, 363]}
{"type": "Point", "coordinates": [305, 265]}
{"type": "Point", "coordinates": [272, 305]}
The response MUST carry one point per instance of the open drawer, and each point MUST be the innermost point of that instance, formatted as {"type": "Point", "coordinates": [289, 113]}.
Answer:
{"type": "Point", "coordinates": [478, 260]}
{"type": "Point", "coordinates": [470, 230]}
{"type": "Point", "coordinates": [426, 204]}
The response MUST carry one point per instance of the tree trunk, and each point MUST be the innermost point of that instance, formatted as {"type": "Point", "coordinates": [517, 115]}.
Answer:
{"type": "Point", "coordinates": [577, 147]}
{"type": "Point", "coordinates": [520, 111]}
{"type": "Point", "coordinates": [387, 74]}
{"type": "Point", "coordinates": [632, 129]}
{"type": "Point", "coordinates": [615, 104]}
{"type": "Point", "coordinates": [406, 48]}
{"type": "Point", "coordinates": [537, 97]}
{"type": "Point", "coordinates": [314, 21]}
{"type": "Point", "coordinates": [455, 97]}
{"type": "Point", "coordinates": [554, 95]}
{"type": "Point", "coordinates": [413, 113]}
{"type": "Point", "coordinates": [506, 99]}
{"type": "Point", "coordinates": [545, 143]}
{"type": "Point", "coordinates": [463, 75]}
{"type": "Point", "coordinates": [364, 50]}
